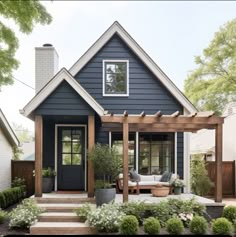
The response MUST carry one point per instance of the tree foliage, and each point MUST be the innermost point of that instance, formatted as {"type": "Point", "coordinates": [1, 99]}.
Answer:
{"type": "Point", "coordinates": [22, 133]}
{"type": "Point", "coordinates": [200, 181]}
{"type": "Point", "coordinates": [25, 14]}
{"type": "Point", "coordinates": [213, 83]}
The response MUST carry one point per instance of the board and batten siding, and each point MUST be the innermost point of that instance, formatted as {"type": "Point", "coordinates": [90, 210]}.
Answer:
{"type": "Point", "coordinates": [146, 92]}
{"type": "Point", "coordinates": [5, 160]}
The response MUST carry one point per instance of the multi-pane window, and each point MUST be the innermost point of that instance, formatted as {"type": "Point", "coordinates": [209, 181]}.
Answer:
{"type": "Point", "coordinates": [117, 142]}
{"type": "Point", "coordinates": [115, 81]}
{"type": "Point", "coordinates": [156, 153]}
{"type": "Point", "coordinates": [71, 147]}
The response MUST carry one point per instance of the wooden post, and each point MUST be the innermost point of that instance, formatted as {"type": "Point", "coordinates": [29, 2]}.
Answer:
{"type": "Point", "coordinates": [38, 155]}
{"type": "Point", "coordinates": [125, 159]}
{"type": "Point", "coordinates": [91, 141]}
{"type": "Point", "coordinates": [218, 167]}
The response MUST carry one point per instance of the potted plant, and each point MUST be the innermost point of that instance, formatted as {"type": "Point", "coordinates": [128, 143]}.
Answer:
{"type": "Point", "coordinates": [178, 184]}
{"type": "Point", "coordinates": [107, 165]}
{"type": "Point", "coordinates": [48, 175]}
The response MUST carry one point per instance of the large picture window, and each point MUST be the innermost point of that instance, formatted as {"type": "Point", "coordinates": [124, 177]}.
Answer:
{"type": "Point", "coordinates": [115, 78]}
{"type": "Point", "coordinates": [156, 153]}
{"type": "Point", "coordinates": [117, 142]}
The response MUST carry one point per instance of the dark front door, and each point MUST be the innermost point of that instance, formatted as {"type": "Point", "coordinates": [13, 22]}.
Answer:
{"type": "Point", "coordinates": [71, 158]}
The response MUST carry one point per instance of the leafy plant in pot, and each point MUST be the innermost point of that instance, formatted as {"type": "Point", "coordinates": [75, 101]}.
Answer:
{"type": "Point", "coordinates": [107, 165]}
{"type": "Point", "coordinates": [48, 179]}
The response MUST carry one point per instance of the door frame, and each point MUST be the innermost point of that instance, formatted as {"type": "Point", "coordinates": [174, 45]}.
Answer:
{"type": "Point", "coordinates": [85, 152]}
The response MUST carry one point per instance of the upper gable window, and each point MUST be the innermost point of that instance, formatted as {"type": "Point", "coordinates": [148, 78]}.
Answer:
{"type": "Point", "coordinates": [115, 78]}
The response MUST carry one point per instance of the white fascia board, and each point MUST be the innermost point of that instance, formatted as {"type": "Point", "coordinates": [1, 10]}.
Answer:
{"type": "Point", "coordinates": [117, 28]}
{"type": "Point", "coordinates": [52, 85]}
{"type": "Point", "coordinates": [11, 134]}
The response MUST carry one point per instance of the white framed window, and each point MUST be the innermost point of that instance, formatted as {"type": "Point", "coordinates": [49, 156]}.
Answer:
{"type": "Point", "coordinates": [115, 77]}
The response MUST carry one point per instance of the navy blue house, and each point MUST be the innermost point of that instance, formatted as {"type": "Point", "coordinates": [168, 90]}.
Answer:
{"type": "Point", "coordinates": [114, 75]}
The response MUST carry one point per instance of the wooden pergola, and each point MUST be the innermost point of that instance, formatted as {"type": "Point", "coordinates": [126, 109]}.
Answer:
{"type": "Point", "coordinates": [166, 123]}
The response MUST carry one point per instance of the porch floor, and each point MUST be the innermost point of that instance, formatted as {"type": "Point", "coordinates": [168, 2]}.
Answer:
{"type": "Point", "coordinates": [146, 197]}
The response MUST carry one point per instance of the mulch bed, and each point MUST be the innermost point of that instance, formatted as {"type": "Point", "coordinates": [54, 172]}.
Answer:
{"type": "Point", "coordinates": [4, 228]}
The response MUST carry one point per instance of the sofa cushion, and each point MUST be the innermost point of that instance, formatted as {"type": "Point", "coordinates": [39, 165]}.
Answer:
{"type": "Point", "coordinates": [157, 177]}
{"type": "Point", "coordinates": [146, 177]}
{"type": "Point", "coordinates": [166, 176]}
{"type": "Point", "coordinates": [134, 176]}
{"type": "Point", "coordinates": [143, 183]}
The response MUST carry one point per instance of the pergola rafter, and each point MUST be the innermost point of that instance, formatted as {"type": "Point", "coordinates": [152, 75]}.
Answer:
{"type": "Point", "coordinates": [166, 123]}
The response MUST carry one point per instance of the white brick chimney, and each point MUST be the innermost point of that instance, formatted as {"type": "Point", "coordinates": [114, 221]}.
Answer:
{"type": "Point", "coordinates": [46, 65]}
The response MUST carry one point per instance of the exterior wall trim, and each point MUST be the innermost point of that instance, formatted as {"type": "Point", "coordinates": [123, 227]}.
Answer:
{"type": "Point", "coordinates": [117, 28]}
{"type": "Point", "coordinates": [62, 75]}
{"type": "Point", "coordinates": [103, 79]}
{"type": "Point", "coordinates": [85, 143]}
{"type": "Point", "coordinates": [12, 138]}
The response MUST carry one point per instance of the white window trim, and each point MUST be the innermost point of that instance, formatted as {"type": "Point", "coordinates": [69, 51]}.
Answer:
{"type": "Point", "coordinates": [104, 78]}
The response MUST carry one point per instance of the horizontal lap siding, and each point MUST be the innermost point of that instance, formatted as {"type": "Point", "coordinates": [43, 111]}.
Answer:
{"type": "Point", "coordinates": [64, 101]}
{"type": "Point", "coordinates": [146, 92]}
{"type": "Point", "coordinates": [180, 154]}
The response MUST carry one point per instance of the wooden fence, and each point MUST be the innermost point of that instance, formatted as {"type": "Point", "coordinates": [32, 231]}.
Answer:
{"type": "Point", "coordinates": [228, 177]}
{"type": "Point", "coordinates": [24, 169]}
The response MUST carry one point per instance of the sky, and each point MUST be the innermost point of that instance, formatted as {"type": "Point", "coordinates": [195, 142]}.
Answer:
{"type": "Point", "coordinates": [171, 32]}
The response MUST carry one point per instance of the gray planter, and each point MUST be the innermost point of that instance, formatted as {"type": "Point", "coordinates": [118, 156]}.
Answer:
{"type": "Point", "coordinates": [177, 190]}
{"type": "Point", "coordinates": [104, 195]}
{"type": "Point", "coordinates": [48, 184]}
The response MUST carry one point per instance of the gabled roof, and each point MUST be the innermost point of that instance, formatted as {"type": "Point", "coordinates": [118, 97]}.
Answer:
{"type": "Point", "coordinates": [62, 75]}
{"type": "Point", "coordinates": [9, 133]}
{"type": "Point", "coordinates": [117, 28]}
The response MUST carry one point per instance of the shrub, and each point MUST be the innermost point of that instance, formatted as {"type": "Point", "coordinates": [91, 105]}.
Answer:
{"type": "Point", "coordinates": [200, 182]}
{"type": "Point", "coordinates": [136, 209]}
{"type": "Point", "coordinates": [3, 216]}
{"type": "Point", "coordinates": [152, 226]}
{"type": "Point", "coordinates": [17, 182]}
{"type": "Point", "coordinates": [25, 214]}
{"type": "Point", "coordinates": [229, 213]}
{"type": "Point", "coordinates": [222, 226]}
{"type": "Point", "coordinates": [175, 226]}
{"type": "Point", "coordinates": [3, 202]}
{"type": "Point", "coordinates": [198, 225]}
{"type": "Point", "coordinates": [234, 226]}
{"type": "Point", "coordinates": [83, 211]}
{"type": "Point", "coordinates": [11, 195]}
{"type": "Point", "coordinates": [106, 218]}
{"type": "Point", "coordinates": [129, 225]}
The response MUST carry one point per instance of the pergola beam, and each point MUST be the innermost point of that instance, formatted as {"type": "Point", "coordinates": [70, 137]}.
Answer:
{"type": "Point", "coordinates": [142, 114]}
{"type": "Point", "coordinates": [175, 114]}
{"type": "Point", "coordinates": [158, 114]}
{"type": "Point", "coordinates": [165, 119]}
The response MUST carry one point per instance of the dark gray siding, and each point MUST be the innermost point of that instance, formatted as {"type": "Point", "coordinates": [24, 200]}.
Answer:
{"type": "Point", "coordinates": [49, 123]}
{"type": "Point", "coordinates": [180, 154]}
{"type": "Point", "coordinates": [146, 92]}
{"type": "Point", "coordinates": [64, 100]}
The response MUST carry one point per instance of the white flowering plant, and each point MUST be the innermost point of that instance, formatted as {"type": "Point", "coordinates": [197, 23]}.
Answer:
{"type": "Point", "coordinates": [25, 214]}
{"type": "Point", "coordinates": [178, 183]}
{"type": "Point", "coordinates": [106, 218]}
{"type": "Point", "coordinates": [186, 218]}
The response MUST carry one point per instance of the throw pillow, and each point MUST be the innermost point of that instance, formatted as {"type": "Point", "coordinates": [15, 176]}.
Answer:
{"type": "Point", "coordinates": [134, 176]}
{"type": "Point", "coordinates": [165, 177]}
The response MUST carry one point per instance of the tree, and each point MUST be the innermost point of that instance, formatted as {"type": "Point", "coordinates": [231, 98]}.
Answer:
{"type": "Point", "coordinates": [25, 14]}
{"type": "Point", "coordinates": [213, 84]}
{"type": "Point", "coordinates": [200, 181]}
{"type": "Point", "coordinates": [22, 133]}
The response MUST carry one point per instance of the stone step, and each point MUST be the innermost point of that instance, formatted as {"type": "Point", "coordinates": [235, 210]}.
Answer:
{"type": "Point", "coordinates": [64, 200]}
{"type": "Point", "coordinates": [62, 228]}
{"type": "Point", "coordinates": [60, 207]}
{"type": "Point", "coordinates": [59, 217]}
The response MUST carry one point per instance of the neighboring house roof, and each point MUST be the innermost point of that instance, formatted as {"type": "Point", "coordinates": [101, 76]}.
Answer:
{"type": "Point", "coordinates": [9, 133]}
{"type": "Point", "coordinates": [117, 28]}
{"type": "Point", "coordinates": [30, 157]}
{"type": "Point", "coordinates": [62, 75]}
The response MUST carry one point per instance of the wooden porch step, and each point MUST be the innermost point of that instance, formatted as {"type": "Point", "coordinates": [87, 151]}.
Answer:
{"type": "Point", "coordinates": [62, 228]}
{"type": "Point", "coordinates": [64, 200]}
{"type": "Point", "coordinates": [59, 217]}
{"type": "Point", "coordinates": [60, 207]}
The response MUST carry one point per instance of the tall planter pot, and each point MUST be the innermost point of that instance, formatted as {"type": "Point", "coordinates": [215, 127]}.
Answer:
{"type": "Point", "coordinates": [177, 190]}
{"type": "Point", "coordinates": [104, 195]}
{"type": "Point", "coordinates": [48, 184]}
